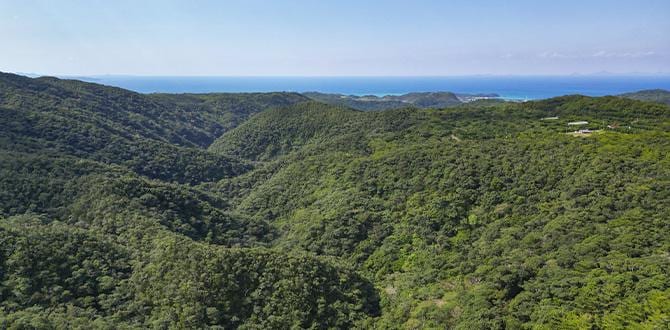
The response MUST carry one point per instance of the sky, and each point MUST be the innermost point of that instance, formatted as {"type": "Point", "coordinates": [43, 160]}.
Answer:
{"type": "Point", "coordinates": [334, 37]}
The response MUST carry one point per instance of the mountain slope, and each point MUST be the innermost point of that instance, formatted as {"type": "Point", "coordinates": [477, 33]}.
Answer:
{"type": "Point", "coordinates": [160, 140]}
{"type": "Point", "coordinates": [58, 276]}
{"type": "Point", "coordinates": [278, 131]}
{"type": "Point", "coordinates": [651, 95]}
{"type": "Point", "coordinates": [474, 216]}
{"type": "Point", "coordinates": [118, 211]}
{"type": "Point", "coordinates": [183, 119]}
{"type": "Point", "coordinates": [224, 111]}
{"type": "Point", "coordinates": [103, 225]}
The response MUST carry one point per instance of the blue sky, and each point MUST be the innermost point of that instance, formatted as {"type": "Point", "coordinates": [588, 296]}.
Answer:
{"type": "Point", "coordinates": [341, 38]}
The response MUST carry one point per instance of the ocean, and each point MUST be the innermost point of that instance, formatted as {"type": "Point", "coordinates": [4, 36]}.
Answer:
{"type": "Point", "coordinates": [509, 87]}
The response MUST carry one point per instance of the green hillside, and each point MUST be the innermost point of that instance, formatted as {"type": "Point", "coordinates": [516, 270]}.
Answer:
{"type": "Point", "coordinates": [157, 136]}
{"type": "Point", "coordinates": [389, 102]}
{"type": "Point", "coordinates": [268, 211]}
{"type": "Point", "coordinates": [650, 95]}
{"type": "Point", "coordinates": [477, 218]}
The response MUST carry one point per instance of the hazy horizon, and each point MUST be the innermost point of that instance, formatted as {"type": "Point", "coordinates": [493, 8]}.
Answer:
{"type": "Point", "coordinates": [343, 38]}
{"type": "Point", "coordinates": [538, 75]}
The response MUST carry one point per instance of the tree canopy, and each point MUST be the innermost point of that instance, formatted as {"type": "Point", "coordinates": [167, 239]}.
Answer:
{"type": "Point", "coordinates": [256, 211]}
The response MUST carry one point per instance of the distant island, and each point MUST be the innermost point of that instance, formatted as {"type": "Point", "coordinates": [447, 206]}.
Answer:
{"type": "Point", "coordinates": [422, 100]}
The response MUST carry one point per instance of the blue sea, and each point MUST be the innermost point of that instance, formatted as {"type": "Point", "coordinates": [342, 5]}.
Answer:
{"type": "Point", "coordinates": [509, 87]}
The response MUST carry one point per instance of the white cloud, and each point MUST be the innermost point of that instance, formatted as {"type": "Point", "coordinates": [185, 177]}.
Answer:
{"type": "Point", "coordinates": [554, 55]}
{"type": "Point", "coordinates": [603, 53]}
{"type": "Point", "coordinates": [598, 54]}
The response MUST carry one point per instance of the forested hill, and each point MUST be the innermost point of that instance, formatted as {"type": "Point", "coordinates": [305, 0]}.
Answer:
{"type": "Point", "coordinates": [271, 211]}
{"type": "Point", "coordinates": [389, 102]}
{"type": "Point", "coordinates": [182, 119]}
{"type": "Point", "coordinates": [158, 136]}
{"type": "Point", "coordinates": [650, 95]}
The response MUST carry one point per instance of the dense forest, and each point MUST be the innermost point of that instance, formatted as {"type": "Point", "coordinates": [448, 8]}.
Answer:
{"type": "Point", "coordinates": [274, 211]}
{"type": "Point", "coordinates": [650, 95]}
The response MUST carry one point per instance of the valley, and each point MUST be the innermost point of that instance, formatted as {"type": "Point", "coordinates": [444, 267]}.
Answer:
{"type": "Point", "coordinates": [286, 210]}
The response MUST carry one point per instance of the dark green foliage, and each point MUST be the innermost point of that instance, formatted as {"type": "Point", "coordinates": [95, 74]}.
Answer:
{"type": "Point", "coordinates": [121, 210]}
{"type": "Point", "coordinates": [224, 111]}
{"type": "Point", "coordinates": [85, 192]}
{"type": "Point", "coordinates": [473, 217]}
{"type": "Point", "coordinates": [257, 289]}
{"type": "Point", "coordinates": [280, 131]}
{"type": "Point", "coordinates": [56, 276]}
{"type": "Point", "coordinates": [54, 265]}
{"type": "Point", "coordinates": [54, 135]}
{"type": "Point", "coordinates": [283, 130]}
{"type": "Point", "coordinates": [651, 95]}
{"type": "Point", "coordinates": [148, 134]}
